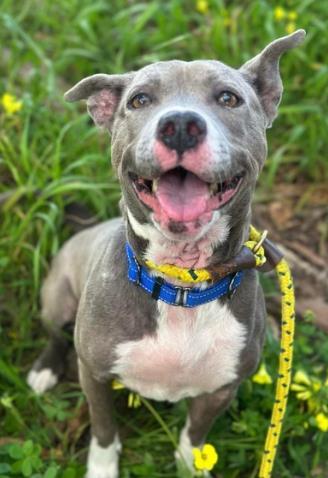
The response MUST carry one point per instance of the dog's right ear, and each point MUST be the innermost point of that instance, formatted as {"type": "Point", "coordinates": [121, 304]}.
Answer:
{"type": "Point", "coordinates": [103, 93]}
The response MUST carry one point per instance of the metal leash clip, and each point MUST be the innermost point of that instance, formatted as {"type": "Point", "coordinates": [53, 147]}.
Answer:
{"type": "Point", "coordinates": [260, 242]}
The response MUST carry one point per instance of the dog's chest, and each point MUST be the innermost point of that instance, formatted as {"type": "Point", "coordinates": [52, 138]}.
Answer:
{"type": "Point", "coordinates": [193, 351]}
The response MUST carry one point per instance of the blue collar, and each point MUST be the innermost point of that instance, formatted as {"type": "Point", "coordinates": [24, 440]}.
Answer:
{"type": "Point", "coordinates": [159, 289]}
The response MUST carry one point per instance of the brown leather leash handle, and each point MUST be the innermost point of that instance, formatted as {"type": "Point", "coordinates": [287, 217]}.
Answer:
{"type": "Point", "coordinates": [245, 259]}
{"type": "Point", "coordinates": [273, 256]}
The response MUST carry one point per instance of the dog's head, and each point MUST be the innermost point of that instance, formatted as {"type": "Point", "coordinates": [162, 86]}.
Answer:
{"type": "Point", "coordinates": [188, 138]}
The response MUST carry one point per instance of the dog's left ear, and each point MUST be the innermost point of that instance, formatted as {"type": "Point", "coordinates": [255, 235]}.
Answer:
{"type": "Point", "coordinates": [103, 93]}
{"type": "Point", "coordinates": [262, 72]}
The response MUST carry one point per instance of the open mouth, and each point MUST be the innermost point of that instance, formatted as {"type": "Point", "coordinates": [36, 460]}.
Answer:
{"type": "Point", "coordinates": [182, 196]}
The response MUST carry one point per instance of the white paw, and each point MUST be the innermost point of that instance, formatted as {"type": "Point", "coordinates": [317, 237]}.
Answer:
{"type": "Point", "coordinates": [184, 453]}
{"type": "Point", "coordinates": [184, 456]}
{"type": "Point", "coordinates": [103, 462]}
{"type": "Point", "coordinates": [41, 380]}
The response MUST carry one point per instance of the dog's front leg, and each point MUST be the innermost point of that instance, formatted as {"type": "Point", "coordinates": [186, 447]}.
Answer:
{"type": "Point", "coordinates": [203, 411]}
{"type": "Point", "coordinates": [105, 445]}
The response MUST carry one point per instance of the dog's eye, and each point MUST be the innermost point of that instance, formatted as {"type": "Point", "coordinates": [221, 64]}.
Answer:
{"type": "Point", "coordinates": [139, 101]}
{"type": "Point", "coordinates": [227, 98]}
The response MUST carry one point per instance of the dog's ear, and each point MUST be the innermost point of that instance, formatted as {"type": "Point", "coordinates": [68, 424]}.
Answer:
{"type": "Point", "coordinates": [103, 93]}
{"type": "Point", "coordinates": [263, 72]}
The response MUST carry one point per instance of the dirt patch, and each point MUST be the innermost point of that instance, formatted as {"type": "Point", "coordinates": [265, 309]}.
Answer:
{"type": "Point", "coordinates": [296, 217]}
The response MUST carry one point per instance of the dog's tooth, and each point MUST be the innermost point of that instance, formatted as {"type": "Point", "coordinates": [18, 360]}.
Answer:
{"type": "Point", "coordinates": [213, 188]}
{"type": "Point", "coordinates": [154, 185]}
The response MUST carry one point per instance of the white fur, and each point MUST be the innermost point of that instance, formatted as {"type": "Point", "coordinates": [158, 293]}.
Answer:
{"type": "Point", "coordinates": [184, 455]}
{"type": "Point", "coordinates": [41, 380]}
{"type": "Point", "coordinates": [103, 462]}
{"type": "Point", "coordinates": [184, 451]}
{"type": "Point", "coordinates": [192, 352]}
{"type": "Point", "coordinates": [215, 232]}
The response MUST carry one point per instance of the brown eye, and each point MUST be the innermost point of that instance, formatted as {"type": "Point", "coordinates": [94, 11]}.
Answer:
{"type": "Point", "coordinates": [140, 100]}
{"type": "Point", "coordinates": [227, 98]}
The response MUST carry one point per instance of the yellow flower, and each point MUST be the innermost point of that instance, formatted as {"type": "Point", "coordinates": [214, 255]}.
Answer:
{"type": "Point", "coordinates": [309, 389]}
{"type": "Point", "coordinates": [322, 422]}
{"type": "Point", "coordinates": [134, 400]}
{"type": "Point", "coordinates": [279, 13]}
{"type": "Point", "coordinates": [206, 458]}
{"type": "Point", "coordinates": [306, 387]}
{"type": "Point", "coordinates": [116, 385]}
{"type": "Point", "coordinates": [262, 376]}
{"type": "Point", "coordinates": [303, 393]}
{"type": "Point", "coordinates": [202, 6]}
{"type": "Point", "coordinates": [10, 104]}
{"type": "Point", "coordinates": [292, 15]}
{"type": "Point", "coordinates": [290, 27]}
{"type": "Point", "coordinates": [302, 377]}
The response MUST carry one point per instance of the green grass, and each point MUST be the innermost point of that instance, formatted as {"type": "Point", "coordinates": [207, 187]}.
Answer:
{"type": "Point", "coordinates": [51, 156]}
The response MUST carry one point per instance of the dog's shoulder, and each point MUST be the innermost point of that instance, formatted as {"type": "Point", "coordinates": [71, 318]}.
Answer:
{"type": "Point", "coordinates": [111, 308]}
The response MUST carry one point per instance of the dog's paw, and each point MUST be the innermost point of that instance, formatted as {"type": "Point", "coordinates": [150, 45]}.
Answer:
{"type": "Point", "coordinates": [103, 462]}
{"type": "Point", "coordinates": [184, 458]}
{"type": "Point", "coordinates": [183, 455]}
{"type": "Point", "coordinates": [97, 471]}
{"type": "Point", "coordinates": [41, 380]}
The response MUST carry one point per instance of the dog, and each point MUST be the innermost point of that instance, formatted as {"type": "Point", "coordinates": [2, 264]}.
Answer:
{"type": "Point", "coordinates": [188, 143]}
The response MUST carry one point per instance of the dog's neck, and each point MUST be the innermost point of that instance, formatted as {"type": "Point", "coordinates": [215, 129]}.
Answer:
{"type": "Point", "coordinates": [221, 242]}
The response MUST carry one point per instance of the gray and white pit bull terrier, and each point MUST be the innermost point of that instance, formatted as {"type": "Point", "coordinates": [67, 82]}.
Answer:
{"type": "Point", "coordinates": [188, 143]}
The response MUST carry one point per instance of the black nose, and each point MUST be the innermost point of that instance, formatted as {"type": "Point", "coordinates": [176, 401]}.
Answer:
{"type": "Point", "coordinates": [181, 130]}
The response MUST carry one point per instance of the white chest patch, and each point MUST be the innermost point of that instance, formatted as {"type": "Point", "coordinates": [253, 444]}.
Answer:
{"type": "Point", "coordinates": [193, 351]}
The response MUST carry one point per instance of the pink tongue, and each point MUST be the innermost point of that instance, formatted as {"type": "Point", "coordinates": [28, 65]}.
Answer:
{"type": "Point", "coordinates": [182, 199]}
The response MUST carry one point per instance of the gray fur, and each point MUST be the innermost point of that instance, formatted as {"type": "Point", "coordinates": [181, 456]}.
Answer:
{"type": "Point", "coordinates": [89, 277]}
{"type": "Point", "coordinates": [263, 72]}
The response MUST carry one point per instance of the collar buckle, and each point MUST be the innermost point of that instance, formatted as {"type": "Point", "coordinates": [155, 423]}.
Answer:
{"type": "Point", "coordinates": [175, 295]}
{"type": "Point", "coordinates": [182, 295]}
{"type": "Point", "coordinates": [260, 241]}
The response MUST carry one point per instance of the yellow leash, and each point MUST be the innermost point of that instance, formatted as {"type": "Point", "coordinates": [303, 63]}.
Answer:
{"type": "Point", "coordinates": [287, 336]}
{"type": "Point", "coordinates": [285, 363]}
